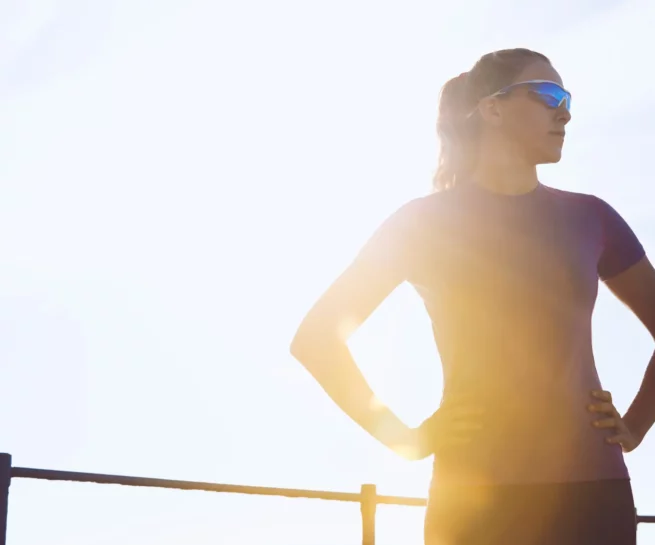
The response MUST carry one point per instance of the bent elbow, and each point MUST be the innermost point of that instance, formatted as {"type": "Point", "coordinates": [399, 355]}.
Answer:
{"type": "Point", "coordinates": [297, 348]}
{"type": "Point", "coordinates": [311, 342]}
{"type": "Point", "coordinates": [303, 344]}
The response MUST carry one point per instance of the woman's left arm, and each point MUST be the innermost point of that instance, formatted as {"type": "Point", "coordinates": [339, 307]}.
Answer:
{"type": "Point", "coordinates": [635, 287]}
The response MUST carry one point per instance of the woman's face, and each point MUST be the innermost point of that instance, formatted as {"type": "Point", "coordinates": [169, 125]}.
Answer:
{"type": "Point", "coordinates": [531, 127]}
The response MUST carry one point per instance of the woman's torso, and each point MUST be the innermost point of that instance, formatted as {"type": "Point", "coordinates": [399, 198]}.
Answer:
{"type": "Point", "coordinates": [510, 284]}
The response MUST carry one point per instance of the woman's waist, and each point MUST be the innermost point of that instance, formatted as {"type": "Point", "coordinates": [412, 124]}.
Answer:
{"type": "Point", "coordinates": [534, 444]}
{"type": "Point", "coordinates": [517, 359]}
{"type": "Point", "coordinates": [555, 415]}
{"type": "Point", "coordinates": [520, 386]}
{"type": "Point", "coordinates": [515, 465]}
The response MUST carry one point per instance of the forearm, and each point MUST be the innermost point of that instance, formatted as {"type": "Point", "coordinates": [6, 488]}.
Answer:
{"type": "Point", "coordinates": [335, 370]}
{"type": "Point", "coordinates": [640, 417]}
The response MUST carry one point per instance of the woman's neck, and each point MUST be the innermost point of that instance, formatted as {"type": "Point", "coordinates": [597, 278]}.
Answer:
{"type": "Point", "coordinates": [505, 173]}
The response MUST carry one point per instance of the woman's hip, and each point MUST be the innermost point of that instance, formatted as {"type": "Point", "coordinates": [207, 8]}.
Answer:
{"type": "Point", "coordinates": [577, 513]}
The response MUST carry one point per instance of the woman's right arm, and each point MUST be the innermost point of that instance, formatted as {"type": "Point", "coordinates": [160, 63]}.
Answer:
{"type": "Point", "coordinates": [320, 343]}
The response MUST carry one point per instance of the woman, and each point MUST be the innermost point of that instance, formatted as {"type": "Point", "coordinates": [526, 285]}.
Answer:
{"type": "Point", "coordinates": [527, 445]}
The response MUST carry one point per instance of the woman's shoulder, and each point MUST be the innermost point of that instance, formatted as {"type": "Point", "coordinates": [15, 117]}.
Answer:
{"type": "Point", "coordinates": [569, 195]}
{"type": "Point", "coordinates": [429, 207]}
{"type": "Point", "coordinates": [438, 199]}
{"type": "Point", "coordinates": [418, 214]}
{"type": "Point", "coordinates": [587, 201]}
{"type": "Point", "coordinates": [422, 204]}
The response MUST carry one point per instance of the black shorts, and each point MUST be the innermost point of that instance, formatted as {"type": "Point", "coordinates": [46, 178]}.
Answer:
{"type": "Point", "coordinates": [584, 513]}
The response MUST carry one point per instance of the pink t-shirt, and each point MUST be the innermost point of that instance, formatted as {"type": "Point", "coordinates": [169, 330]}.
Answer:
{"type": "Point", "coordinates": [510, 284]}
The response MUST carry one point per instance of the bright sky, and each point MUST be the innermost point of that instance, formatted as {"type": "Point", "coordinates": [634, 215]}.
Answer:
{"type": "Point", "coordinates": [181, 180]}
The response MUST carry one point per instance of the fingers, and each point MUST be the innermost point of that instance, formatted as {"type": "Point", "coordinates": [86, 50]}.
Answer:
{"type": "Point", "coordinates": [456, 420]}
{"type": "Point", "coordinates": [623, 436]}
{"type": "Point", "coordinates": [458, 413]}
{"type": "Point", "coordinates": [607, 408]}
{"type": "Point", "coordinates": [454, 424]}
{"type": "Point", "coordinates": [625, 440]}
{"type": "Point", "coordinates": [606, 423]}
{"type": "Point", "coordinates": [457, 410]}
{"type": "Point", "coordinates": [602, 395]}
{"type": "Point", "coordinates": [617, 439]}
{"type": "Point", "coordinates": [463, 420]}
{"type": "Point", "coordinates": [466, 425]}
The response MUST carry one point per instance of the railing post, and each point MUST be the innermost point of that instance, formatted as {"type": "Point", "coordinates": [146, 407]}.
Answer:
{"type": "Point", "coordinates": [369, 505]}
{"type": "Point", "coordinates": [5, 481]}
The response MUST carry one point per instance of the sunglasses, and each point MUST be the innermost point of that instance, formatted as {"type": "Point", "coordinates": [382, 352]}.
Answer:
{"type": "Point", "coordinates": [549, 93]}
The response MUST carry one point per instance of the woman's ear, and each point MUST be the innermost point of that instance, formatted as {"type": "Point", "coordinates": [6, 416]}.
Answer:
{"type": "Point", "coordinates": [490, 111]}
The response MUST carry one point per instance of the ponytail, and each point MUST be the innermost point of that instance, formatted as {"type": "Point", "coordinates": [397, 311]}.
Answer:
{"type": "Point", "coordinates": [456, 133]}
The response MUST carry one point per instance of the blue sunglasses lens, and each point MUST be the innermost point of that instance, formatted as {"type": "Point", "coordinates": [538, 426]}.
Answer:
{"type": "Point", "coordinates": [551, 94]}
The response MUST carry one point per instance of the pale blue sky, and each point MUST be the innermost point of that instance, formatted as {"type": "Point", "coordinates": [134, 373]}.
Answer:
{"type": "Point", "coordinates": [180, 181]}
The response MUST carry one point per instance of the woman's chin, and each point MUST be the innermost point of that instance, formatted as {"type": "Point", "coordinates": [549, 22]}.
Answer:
{"type": "Point", "coordinates": [551, 156]}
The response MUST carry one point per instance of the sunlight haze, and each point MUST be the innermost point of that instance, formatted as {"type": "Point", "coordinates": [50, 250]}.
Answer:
{"type": "Point", "coordinates": [182, 180]}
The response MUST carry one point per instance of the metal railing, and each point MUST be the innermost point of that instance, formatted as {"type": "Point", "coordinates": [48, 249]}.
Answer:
{"type": "Point", "coordinates": [367, 498]}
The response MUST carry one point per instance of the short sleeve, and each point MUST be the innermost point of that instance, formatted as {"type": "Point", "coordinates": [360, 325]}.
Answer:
{"type": "Point", "coordinates": [621, 249]}
{"type": "Point", "coordinates": [393, 249]}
